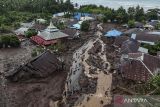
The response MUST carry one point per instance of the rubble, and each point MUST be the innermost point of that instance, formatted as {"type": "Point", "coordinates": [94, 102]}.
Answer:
{"type": "Point", "coordinates": [38, 87]}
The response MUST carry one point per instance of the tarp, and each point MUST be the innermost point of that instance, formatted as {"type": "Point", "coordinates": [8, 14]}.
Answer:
{"type": "Point", "coordinates": [113, 33]}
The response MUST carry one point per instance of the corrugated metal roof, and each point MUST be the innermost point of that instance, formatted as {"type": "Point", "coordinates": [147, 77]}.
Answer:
{"type": "Point", "coordinates": [52, 35]}
{"type": "Point", "coordinates": [21, 31]}
{"type": "Point", "coordinates": [143, 50]}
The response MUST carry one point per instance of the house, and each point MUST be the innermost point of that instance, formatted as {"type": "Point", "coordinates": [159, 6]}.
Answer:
{"type": "Point", "coordinates": [78, 15]}
{"type": "Point", "coordinates": [73, 33]}
{"type": "Point", "coordinates": [77, 26]}
{"type": "Point", "coordinates": [71, 22]}
{"type": "Point", "coordinates": [149, 27]}
{"type": "Point", "coordinates": [42, 21]}
{"type": "Point", "coordinates": [42, 66]}
{"type": "Point", "coordinates": [34, 83]}
{"type": "Point", "coordinates": [139, 66]}
{"type": "Point", "coordinates": [28, 24]}
{"type": "Point", "coordinates": [86, 18]}
{"type": "Point", "coordinates": [153, 23]}
{"type": "Point", "coordinates": [143, 50]}
{"type": "Point", "coordinates": [146, 37]}
{"type": "Point", "coordinates": [129, 46]}
{"type": "Point", "coordinates": [133, 30]}
{"type": "Point", "coordinates": [49, 36]}
{"type": "Point", "coordinates": [39, 26]}
{"type": "Point", "coordinates": [119, 40]}
{"type": "Point", "coordinates": [139, 25]}
{"type": "Point", "coordinates": [58, 14]}
{"type": "Point", "coordinates": [113, 33]}
{"type": "Point", "coordinates": [21, 31]}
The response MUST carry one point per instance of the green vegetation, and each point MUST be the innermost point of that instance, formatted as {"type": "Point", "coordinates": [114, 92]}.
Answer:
{"type": "Point", "coordinates": [59, 47]}
{"type": "Point", "coordinates": [153, 49]}
{"type": "Point", "coordinates": [157, 27]}
{"type": "Point", "coordinates": [13, 12]}
{"type": "Point", "coordinates": [85, 26]}
{"type": "Point", "coordinates": [37, 51]}
{"type": "Point", "coordinates": [60, 25]}
{"type": "Point", "coordinates": [121, 15]}
{"type": "Point", "coordinates": [30, 33]}
{"type": "Point", "coordinates": [36, 6]}
{"type": "Point", "coordinates": [9, 40]}
{"type": "Point", "coordinates": [131, 23]}
{"type": "Point", "coordinates": [155, 81]}
{"type": "Point", "coordinates": [152, 14]}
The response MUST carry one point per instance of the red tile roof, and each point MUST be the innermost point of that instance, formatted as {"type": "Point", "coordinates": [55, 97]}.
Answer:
{"type": "Point", "coordinates": [41, 41]}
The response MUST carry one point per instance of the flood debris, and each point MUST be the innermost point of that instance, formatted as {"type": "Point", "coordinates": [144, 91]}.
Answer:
{"type": "Point", "coordinates": [37, 82]}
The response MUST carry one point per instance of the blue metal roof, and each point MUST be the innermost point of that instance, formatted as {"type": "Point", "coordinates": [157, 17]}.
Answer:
{"type": "Point", "coordinates": [113, 33]}
{"type": "Point", "coordinates": [78, 15]}
{"type": "Point", "coordinates": [76, 26]}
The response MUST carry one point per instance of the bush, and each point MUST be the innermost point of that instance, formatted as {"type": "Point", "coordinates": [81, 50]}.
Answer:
{"type": "Point", "coordinates": [4, 29]}
{"type": "Point", "coordinates": [9, 40]}
{"type": "Point", "coordinates": [1, 45]}
{"type": "Point", "coordinates": [14, 41]}
{"type": "Point", "coordinates": [157, 26]}
{"type": "Point", "coordinates": [34, 53]}
{"type": "Point", "coordinates": [16, 25]}
{"type": "Point", "coordinates": [30, 33]}
{"type": "Point", "coordinates": [131, 23]}
{"type": "Point", "coordinates": [85, 26]}
{"type": "Point", "coordinates": [67, 15]}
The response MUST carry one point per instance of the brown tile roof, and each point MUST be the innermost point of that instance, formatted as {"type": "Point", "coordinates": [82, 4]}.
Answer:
{"type": "Point", "coordinates": [119, 40]}
{"type": "Point", "coordinates": [71, 22]}
{"type": "Point", "coordinates": [129, 46]}
{"type": "Point", "coordinates": [138, 24]}
{"type": "Point", "coordinates": [135, 70]}
{"type": "Point", "coordinates": [39, 27]}
{"type": "Point", "coordinates": [147, 37]}
{"type": "Point", "coordinates": [133, 30]}
{"type": "Point", "coordinates": [40, 67]}
{"type": "Point", "coordinates": [70, 32]}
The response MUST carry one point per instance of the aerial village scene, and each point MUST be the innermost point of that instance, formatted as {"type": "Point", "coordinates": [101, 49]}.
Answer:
{"type": "Point", "coordinates": [59, 53]}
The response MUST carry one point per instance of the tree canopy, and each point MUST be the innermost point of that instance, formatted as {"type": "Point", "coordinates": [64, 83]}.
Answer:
{"type": "Point", "coordinates": [9, 40]}
{"type": "Point", "coordinates": [85, 26]}
{"type": "Point", "coordinates": [36, 6]}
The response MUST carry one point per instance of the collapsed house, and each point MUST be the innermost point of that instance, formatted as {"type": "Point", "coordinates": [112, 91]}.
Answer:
{"type": "Point", "coordinates": [40, 67]}
{"type": "Point", "coordinates": [139, 66]}
{"type": "Point", "coordinates": [35, 84]}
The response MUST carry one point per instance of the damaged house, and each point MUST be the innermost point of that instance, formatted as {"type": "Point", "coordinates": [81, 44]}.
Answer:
{"type": "Point", "coordinates": [139, 66]}
{"type": "Point", "coordinates": [35, 84]}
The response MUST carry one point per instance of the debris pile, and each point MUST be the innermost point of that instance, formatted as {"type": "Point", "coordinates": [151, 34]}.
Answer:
{"type": "Point", "coordinates": [35, 84]}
